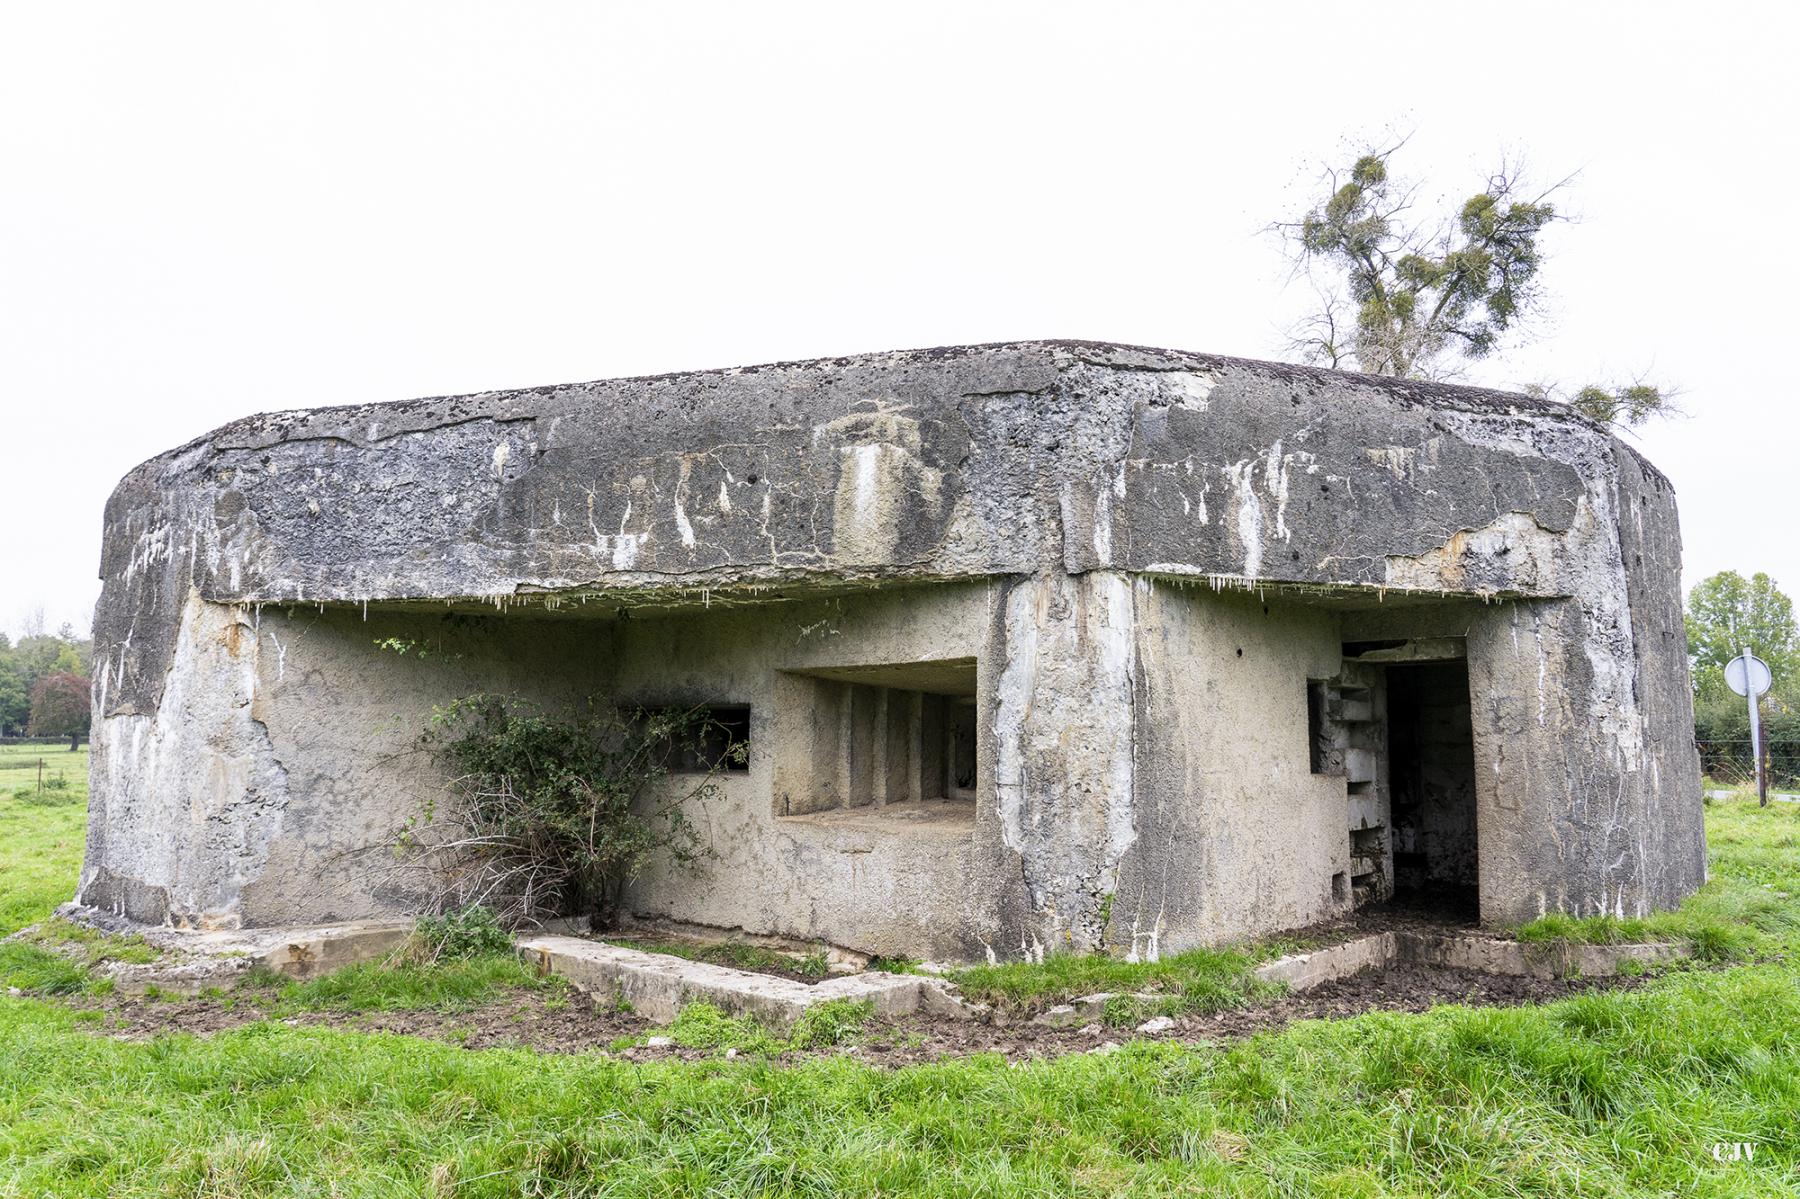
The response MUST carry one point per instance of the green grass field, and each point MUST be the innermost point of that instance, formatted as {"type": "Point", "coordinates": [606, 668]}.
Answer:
{"type": "Point", "coordinates": [1612, 1093]}
{"type": "Point", "coordinates": [41, 833]}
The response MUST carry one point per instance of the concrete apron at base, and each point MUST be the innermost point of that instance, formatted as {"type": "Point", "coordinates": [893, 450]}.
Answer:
{"type": "Point", "coordinates": [193, 959]}
{"type": "Point", "coordinates": [658, 985]}
{"type": "Point", "coordinates": [1304, 971]}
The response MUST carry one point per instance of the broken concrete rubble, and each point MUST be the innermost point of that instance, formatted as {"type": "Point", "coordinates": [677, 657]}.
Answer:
{"type": "Point", "coordinates": [1044, 646]}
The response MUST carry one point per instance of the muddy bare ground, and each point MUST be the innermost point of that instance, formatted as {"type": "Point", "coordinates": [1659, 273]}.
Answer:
{"type": "Point", "coordinates": [1399, 989]}
{"type": "Point", "coordinates": [1381, 918]}
{"type": "Point", "coordinates": [521, 1018]}
{"type": "Point", "coordinates": [570, 1025]}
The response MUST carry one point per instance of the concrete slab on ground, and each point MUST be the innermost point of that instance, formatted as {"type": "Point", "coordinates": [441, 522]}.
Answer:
{"type": "Point", "coordinates": [193, 959]}
{"type": "Point", "coordinates": [1462, 951]}
{"type": "Point", "coordinates": [659, 985]}
{"type": "Point", "coordinates": [1534, 959]}
{"type": "Point", "coordinates": [1304, 971]}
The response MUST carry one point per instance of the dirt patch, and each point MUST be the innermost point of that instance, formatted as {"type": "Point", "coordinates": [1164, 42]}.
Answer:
{"type": "Point", "coordinates": [552, 1025]}
{"type": "Point", "coordinates": [1382, 918]}
{"type": "Point", "coordinates": [521, 1020]}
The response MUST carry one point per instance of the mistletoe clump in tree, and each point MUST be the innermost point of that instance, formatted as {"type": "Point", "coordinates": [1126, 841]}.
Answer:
{"type": "Point", "coordinates": [1417, 298]}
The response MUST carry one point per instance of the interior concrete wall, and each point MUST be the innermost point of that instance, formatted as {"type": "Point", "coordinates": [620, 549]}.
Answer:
{"type": "Point", "coordinates": [853, 744]}
{"type": "Point", "coordinates": [1348, 731]}
{"type": "Point", "coordinates": [274, 808]}
{"type": "Point", "coordinates": [288, 750]}
{"type": "Point", "coordinates": [1434, 770]}
{"type": "Point", "coordinates": [891, 878]}
{"type": "Point", "coordinates": [1235, 834]}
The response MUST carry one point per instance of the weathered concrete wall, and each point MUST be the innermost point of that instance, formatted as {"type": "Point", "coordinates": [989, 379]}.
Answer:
{"type": "Point", "coordinates": [1574, 812]}
{"type": "Point", "coordinates": [1024, 871]}
{"type": "Point", "coordinates": [1056, 480]}
{"type": "Point", "coordinates": [1065, 729]}
{"type": "Point", "coordinates": [883, 880]}
{"type": "Point", "coordinates": [1577, 814]}
{"type": "Point", "coordinates": [1673, 847]}
{"type": "Point", "coordinates": [969, 461]}
{"type": "Point", "coordinates": [270, 801]}
{"type": "Point", "coordinates": [188, 793]}
{"type": "Point", "coordinates": [286, 752]}
{"type": "Point", "coordinates": [1235, 835]}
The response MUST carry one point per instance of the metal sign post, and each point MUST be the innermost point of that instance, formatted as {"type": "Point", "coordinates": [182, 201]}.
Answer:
{"type": "Point", "coordinates": [1749, 676]}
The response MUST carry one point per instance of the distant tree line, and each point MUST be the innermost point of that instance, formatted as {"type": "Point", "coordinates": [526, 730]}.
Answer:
{"type": "Point", "coordinates": [44, 685]}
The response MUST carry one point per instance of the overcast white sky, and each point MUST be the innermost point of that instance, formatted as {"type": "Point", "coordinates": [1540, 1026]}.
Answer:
{"type": "Point", "coordinates": [208, 210]}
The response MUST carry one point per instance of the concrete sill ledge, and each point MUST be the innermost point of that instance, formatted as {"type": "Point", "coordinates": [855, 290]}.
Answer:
{"type": "Point", "coordinates": [659, 985]}
{"type": "Point", "coordinates": [1462, 951]}
{"type": "Point", "coordinates": [913, 820]}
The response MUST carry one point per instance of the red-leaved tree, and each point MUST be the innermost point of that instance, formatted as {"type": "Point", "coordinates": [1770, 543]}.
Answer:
{"type": "Point", "coordinates": [59, 708]}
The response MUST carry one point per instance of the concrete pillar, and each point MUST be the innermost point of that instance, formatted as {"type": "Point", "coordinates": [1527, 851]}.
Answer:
{"type": "Point", "coordinates": [916, 787]}
{"type": "Point", "coordinates": [1063, 736]}
{"type": "Point", "coordinates": [877, 746]}
{"type": "Point", "coordinates": [1571, 813]}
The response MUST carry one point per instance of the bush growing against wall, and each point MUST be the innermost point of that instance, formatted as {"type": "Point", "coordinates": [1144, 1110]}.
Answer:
{"type": "Point", "coordinates": [462, 933]}
{"type": "Point", "coordinates": [553, 815]}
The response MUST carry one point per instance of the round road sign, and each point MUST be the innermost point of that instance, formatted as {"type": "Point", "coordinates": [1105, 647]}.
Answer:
{"type": "Point", "coordinates": [1748, 675]}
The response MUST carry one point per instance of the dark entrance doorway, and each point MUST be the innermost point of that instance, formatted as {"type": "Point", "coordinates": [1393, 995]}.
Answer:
{"type": "Point", "coordinates": [1431, 755]}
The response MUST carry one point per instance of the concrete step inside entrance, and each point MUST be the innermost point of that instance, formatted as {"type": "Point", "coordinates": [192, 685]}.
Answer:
{"type": "Point", "coordinates": [1463, 951]}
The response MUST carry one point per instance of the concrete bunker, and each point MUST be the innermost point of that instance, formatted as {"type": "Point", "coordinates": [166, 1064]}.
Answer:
{"type": "Point", "coordinates": [1034, 647]}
